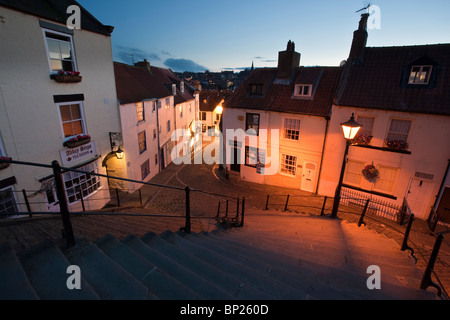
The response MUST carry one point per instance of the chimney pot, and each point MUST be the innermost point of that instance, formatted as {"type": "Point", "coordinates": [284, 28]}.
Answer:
{"type": "Point", "coordinates": [359, 39]}
{"type": "Point", "coordinates": [143, 64]}
{"type": "Point", "coordinates": [288, 61]}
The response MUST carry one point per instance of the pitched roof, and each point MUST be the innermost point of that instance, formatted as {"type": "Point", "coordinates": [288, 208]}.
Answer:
{"type": "Point", "coordinates": [134, 84]}
{"type": "Point", "coordinates": [55, 10]}
{"type": "Point", "coordinates": [209, 100]}
{"type": "Point", "coordinates": [280, 97]}
{"type": "Point", "coordinates": [380, 80]}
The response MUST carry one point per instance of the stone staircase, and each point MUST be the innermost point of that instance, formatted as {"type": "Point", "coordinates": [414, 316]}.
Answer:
{"type": "Point", "coordinates": [270, 258]}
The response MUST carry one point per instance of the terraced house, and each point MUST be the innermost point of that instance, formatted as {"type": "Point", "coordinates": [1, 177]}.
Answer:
{"type": "Point", "coordinates": [57, 102]}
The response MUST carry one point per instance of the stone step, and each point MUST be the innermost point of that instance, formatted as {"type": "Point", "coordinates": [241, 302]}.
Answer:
{"type": "Point", "coordinates": [14, 284]}
{"type": "Point", "coordinates": [109, 280]}
{"type": "Point", "coordinates": [46, 268]}
{"type": "Point", "coordinates": [159, 283]}
{"type": "Point", "coordinates": [272, 287]}
{"type": "Point", "coordinates": [195, 282]}
{"type": "Point", "coordinates": [225, 281]}
{"type": "Point", "coordinates": [304, 279]}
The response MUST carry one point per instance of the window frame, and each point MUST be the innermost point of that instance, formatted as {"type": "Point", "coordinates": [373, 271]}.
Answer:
{"type": "Point", "coordinates": [72, 48]}
{"type": "Point", "coordinates": [13, 199]}
{"type": "Point", "coordinates": [256, 89]}
{"type": "Point", "coordinates": [247, 123]}
{"type": "Point", "coordinates": [397, 133]}
{"type": "Point", "coordinates": [293, 120]}
{"type": "Point", "coordinates": [283, 163]}
{"type": "Point", "coordinates": [302, 94]}
{"type": "Point", "coordinates": [247, 156]}
{"type": "Point", "coordinates": [83, 118]}
{"type": "Point", "coordinates": [415, 81]}
{"type": "Point", "coordinates": [138, 112]}
{"type": "Point", "coordinates": [96, 182]}
{"type": "Point", "coordinates": [144, 142]}
{"type": "Point", "coordinates": [146, 173]}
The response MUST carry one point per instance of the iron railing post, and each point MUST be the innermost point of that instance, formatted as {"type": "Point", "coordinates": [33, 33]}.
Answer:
{"type": "Point", "coordinates": [187, 227]}
{"type": "Point", "coordinates": [323, 206]}
{"type": "Point", "coordinates": [65, 215]}
{"type": "Point", "coordinates": [361, 219]}
{"type": "Point", "coordinates": [117, 195]}
{"type": "Point", "coordinates": [82, 201]}
{"type": "Point", "coordinates": [27, 203]}
{"type": "Point", "coordinates": [218, 209]}
{"type": "Point", "coordinates": [405, 238]}
{"type": "Point", "coordinates": [286, 204]}
{"type": "Point", "coordinates": [267, 203]}
{"type": "Point", "coordinates": [426, 279]}
{"type": "Point", "coordinates": [237, 208]}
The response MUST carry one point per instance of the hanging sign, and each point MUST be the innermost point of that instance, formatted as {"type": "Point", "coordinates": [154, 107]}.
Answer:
{"type": "Point", "coordinates": [83, 152]}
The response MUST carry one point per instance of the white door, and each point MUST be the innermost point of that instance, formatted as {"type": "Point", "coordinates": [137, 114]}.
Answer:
{"type": "Point", "coordinates": [418, 197]}
{"type": "Point", "coordinates": [308, 176]}
{"type": "Point", "coordinates": [52, 200]}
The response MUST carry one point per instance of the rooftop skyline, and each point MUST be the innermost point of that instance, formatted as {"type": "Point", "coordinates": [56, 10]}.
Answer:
{"type": "Point", "coordinates": [231, 35]}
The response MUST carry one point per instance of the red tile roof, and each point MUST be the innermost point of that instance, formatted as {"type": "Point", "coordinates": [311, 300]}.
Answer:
{"type": "Point", "coordinates": [280, 97]}
{"type": "Point", "coordinates": [134, 84]}
{"type": "Point", "coordinates": [380, 80]}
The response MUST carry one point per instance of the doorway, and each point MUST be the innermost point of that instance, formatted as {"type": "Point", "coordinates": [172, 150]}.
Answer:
{"type": "Point", "coordinates": [308, 176]}
{"type": "Point", "coordinates": [418, 197]}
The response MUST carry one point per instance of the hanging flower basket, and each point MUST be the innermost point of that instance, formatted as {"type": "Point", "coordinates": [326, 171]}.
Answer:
{"type": "Point", "coordinates": [396, 144]}
{"type": "Point", "coordinates": [362, 139]}
{"type": "Point", "coordinates": [4, 165]}
{"type": "Point", "coordinates": [77, 141]}
{"type": "Point", "coordinates": [66, 76]}
{"type": "Point", "coordinates": [370, 172]}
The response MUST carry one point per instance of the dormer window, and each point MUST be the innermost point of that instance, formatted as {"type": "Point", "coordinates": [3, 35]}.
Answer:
{"type": "Point", "coordinates": [420, 74]}
{"type": "Point", "coordinates": [303, 90]}
{"type": "Point", "coordinates": [256, 89]}
{"type": "Point", "coordinates": [174, 89]}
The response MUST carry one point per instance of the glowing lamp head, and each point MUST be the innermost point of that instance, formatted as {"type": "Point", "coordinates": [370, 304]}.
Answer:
{"type": "Point", "coordinates": [350, 128]}
{"type": "Point", "coordinates": [119, 153]}
{"type": "Point", "coordinates": [218, 109]}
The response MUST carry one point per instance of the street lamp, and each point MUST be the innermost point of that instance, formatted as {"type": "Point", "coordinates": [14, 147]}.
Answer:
{"type": "Point", "coordinates": [349, 128]}
{"type": "Point", "coordinates": [119, 153]}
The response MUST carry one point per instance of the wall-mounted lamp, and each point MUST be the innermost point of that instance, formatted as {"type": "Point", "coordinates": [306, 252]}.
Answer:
{"type": "Point", "coordinates": [119, 153]}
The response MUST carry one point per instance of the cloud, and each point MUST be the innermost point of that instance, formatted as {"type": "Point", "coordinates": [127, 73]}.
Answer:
{"type": "Point", "coordinates": [131, 54]}
{"type": "Point", "coordinates": [181, 65]}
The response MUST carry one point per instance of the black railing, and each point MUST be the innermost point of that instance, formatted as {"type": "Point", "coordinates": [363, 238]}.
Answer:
{"type": "Point", "coordinates": [64, 207]}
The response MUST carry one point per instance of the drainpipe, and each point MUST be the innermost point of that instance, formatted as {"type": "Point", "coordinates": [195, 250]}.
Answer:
{"type": "Point", "coordinates": [327, 118]}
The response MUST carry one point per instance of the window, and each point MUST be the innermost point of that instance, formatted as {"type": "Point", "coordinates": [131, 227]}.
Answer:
{"type": "Point", "coordinates": [217, 116]}
{"type": "Point", "coordinates": [288, 164]}
{"type": "Point", "coordinates": [168, 125]}
{"type": "Point", "coordinates": [182, 88]}
{"type": "Point", "coordinates": [291, 129]}
{"type": "Point", "coordinates": [367, 125]}
{"type": "Point", "coordinates": [167, 103]}
{"type": "Point", "coordinates": [8, 202]}
{"type": "Point", "coordinates": [181, 111]}
{"type": "Point", "coordinates": [77, 183]}
{"type": "Point", "coordinates": [353, 172]}
{"type": "Point", "coordinates": [398, 130]}
{"type": "Point", "coordinates": [140, 111]}
{"type": "Point", "coordinates": [60, 51]}
{"type": "Point", "coordinates": [145, 169]}
{"type": "Point", "coordinates": [2, 149]}
{"type": "Point", "coordinates": [174, 89]}
{"type": "Point", "coordinates": [72, 119]}
{"type": "Point", "coordinates": [251, 156]}
{"type": "Point", "coordinates": [154, 106]}
{"type": "Point", "coordinates": [387, 177]}
{"type": "Point", "coordinates": [420, 74]}
{"type": "Point", "coordinates": [303, 90]}
{"type": "Point", "coordinates": [252, 123]}
{"type": "Point", "coordinates": [203, 116]}
{"type": "Point", "coordinates": [256, 89]}
{"type": "Point", "coordinates": [156, 159]}
{"type": "Point", "coordinates": [142, 142]}
{"type": "Point", "coordinates": [154, 134]}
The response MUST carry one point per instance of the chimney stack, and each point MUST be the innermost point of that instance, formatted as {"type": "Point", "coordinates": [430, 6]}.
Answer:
{"type": "Point", "coordinates": [359, 39]}
{"type": "Point", "coordinates": [288, 60]}
{"type": "Point", "coordinates": [143, 64]}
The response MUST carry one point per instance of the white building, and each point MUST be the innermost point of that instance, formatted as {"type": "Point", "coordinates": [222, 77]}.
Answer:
{"type": "Point", "coordinates": [153, 105]}
{"type": "Point", "coordinates": [41, 112]}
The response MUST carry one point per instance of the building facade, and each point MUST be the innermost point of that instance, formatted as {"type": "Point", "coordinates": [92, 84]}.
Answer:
{"type": "Point", "coordinates": [57, 101]}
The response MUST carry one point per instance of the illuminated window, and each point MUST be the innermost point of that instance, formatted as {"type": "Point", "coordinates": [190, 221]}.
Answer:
{"type": "Point", "coordinates": [140, 111]}
{"type": "Point", "coordinates": [142, 142]}
{"type": "Point", "coordinates": [72, 119]}
{"type": "Point", "coordinates": [291, 129]}
{"type": "Point", "coordinates": [288, 164]}
{"type": "Point", "coordinates": [353, 172]}
{"type": "Point", "coordinates": [420, 74]}
{"type": "Point", "coordinates": [252, 123]}
{"type": "Point", "coordinates": [60, 51]}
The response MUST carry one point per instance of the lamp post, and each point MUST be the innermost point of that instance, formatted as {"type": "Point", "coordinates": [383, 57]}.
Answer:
{"type": "Point", "coordinates": [349, 128]}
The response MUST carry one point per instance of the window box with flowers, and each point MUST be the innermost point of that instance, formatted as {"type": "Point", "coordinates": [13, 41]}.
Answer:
{"type": "Point", "coordinates": [77, 141]}
{"type": "Point", "coordinates": [66, 76]}
{"type": "Point", "coordinates": [396, 144]}
{"type": "Point", "coordinates": [4, 165]}
{"type": "Point", "coordinates": [370, 172]}
{"type": "Point", "coordinates": [362, 139]}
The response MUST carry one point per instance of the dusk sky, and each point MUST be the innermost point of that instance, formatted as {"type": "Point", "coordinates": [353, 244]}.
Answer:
{"type": "Point", "coordinates": [200, 35]}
